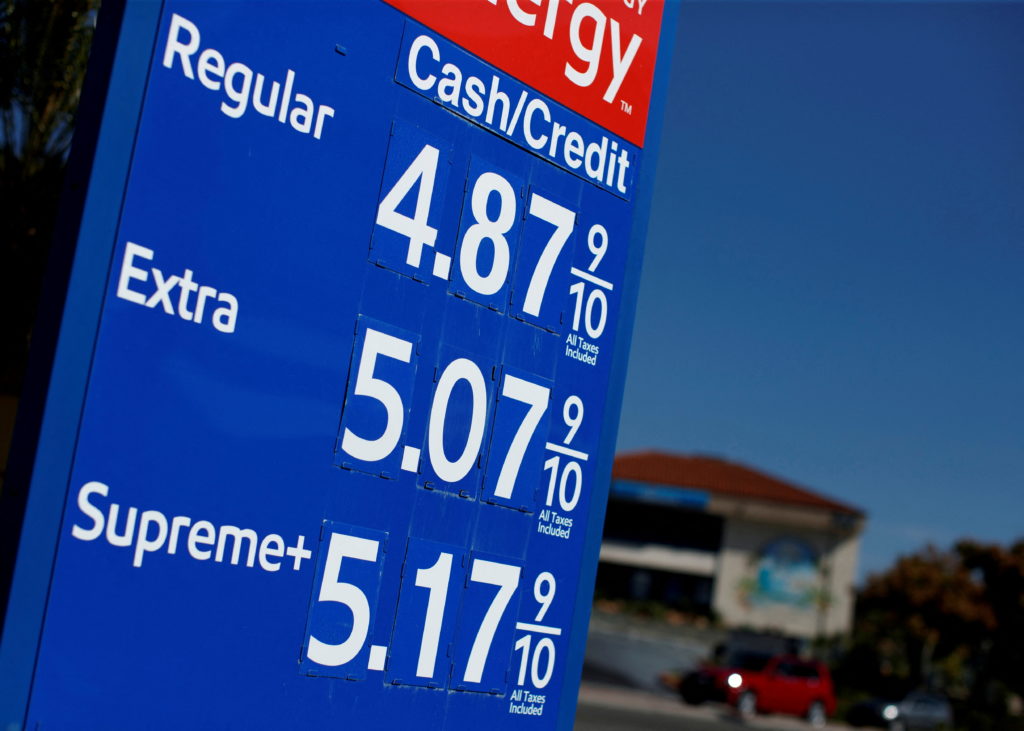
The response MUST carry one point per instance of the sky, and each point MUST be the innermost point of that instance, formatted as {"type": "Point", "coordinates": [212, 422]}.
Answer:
{"type": "Point", "coordinates": [833, 283]}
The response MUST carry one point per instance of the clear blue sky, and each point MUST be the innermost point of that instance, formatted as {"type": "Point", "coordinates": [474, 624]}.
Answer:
{"type": "Point", "coordinates": [833, 287]}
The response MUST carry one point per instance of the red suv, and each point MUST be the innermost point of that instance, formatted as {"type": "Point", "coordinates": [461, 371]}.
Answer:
{"type": "Point", "coordinates": [754, 682]}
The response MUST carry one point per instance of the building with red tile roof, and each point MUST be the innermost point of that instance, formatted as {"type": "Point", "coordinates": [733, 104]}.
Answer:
{"type": "Point", "coordinates": [712, 536]}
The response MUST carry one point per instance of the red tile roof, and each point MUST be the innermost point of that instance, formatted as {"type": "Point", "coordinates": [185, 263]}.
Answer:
{"type": "Point", "coordinates": [718, 476]}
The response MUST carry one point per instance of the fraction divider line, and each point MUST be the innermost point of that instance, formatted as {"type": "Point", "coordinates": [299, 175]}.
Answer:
{"type": "Point", "coordinates": [566, 451]}
{"type": "Point", "coordinates": [591, 278]}
{"type": "Point", "coordinates": [539, 628]}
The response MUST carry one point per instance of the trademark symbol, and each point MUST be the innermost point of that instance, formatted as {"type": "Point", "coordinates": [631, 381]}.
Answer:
{"type": "Point", "coordinates": [626, 106]}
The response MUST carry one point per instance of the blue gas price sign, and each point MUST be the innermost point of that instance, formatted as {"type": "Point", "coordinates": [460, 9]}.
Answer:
{"type": "Point", "coordinates": [343, 448]}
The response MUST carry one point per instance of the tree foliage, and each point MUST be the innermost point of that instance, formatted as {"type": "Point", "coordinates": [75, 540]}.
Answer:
{"type": "Point", "coordinates": [1002, 573]}
{"type": "Point", "coordinates": [44, 48]}
{"type": "Point", "coordinates": [952, 620]}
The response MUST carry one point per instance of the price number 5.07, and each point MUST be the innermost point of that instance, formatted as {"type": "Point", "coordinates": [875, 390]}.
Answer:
{"type": "Point", "coordinates": [374, 434]}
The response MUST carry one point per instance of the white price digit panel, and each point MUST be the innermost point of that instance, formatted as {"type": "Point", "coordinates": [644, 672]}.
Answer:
{"type": "Point", "coordinates": [425, 620]}
{"type": "Point", "coordinates": [486, 625]}
{"type": "Point", "coordinates": [344, 602]}
{"type": "Point", "coordinates": [376, 410]}
{"type": "Point", "coordinates": [589, 291]}
{"type": "Point", "coordinates": [564, 464]}
{"type": "Point", "coordinates": [411, 205]}
{"type": "Point", "coordinates": [488, 235]}
{"type": "Point", "coordinates": [545, 254]}
{"type": "Point", "coordinates": [536, 648]}
{"type": "Point", "coordinates": [460, 411]}
{"type": "Point", "coordinates": [516, 450]}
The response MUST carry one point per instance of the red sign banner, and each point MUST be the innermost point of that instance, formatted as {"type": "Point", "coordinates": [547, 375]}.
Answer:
{"type": "Point", "coordinates": [597, 58]}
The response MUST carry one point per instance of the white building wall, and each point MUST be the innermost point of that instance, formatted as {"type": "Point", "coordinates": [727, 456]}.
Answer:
{"type": "Point", "coordinates": [796, 598]}
{"type": "Point", "coordinates": [843, 575]}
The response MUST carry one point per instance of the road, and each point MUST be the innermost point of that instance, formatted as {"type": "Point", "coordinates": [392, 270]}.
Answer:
{"type": "Point", "coordinates": [593, 718]}
{"type": "Point", "coordinates": [635, 659]}
{"type": "Point", "coordinates": [614, 708]}
{"type": "Point", "coordinates": [621, 690]}
{"type": "Point", "coordinates": [633, 655]}
{"type": "Point", "coordinates": [605, 707]}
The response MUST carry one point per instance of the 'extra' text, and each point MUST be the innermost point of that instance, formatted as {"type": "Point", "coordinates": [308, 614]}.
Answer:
{"type": "Point", "coordinates": [224, 306]}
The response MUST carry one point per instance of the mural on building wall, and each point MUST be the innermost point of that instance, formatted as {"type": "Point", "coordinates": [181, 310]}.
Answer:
{"type": "Point", "coordinates": [784, 572]}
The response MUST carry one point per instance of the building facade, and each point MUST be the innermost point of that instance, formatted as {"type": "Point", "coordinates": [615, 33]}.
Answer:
{"type": "Point", "coordinates": [713, 537]}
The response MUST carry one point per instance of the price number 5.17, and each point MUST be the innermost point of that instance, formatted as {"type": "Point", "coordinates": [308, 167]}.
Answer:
{"type": "Point", "coordinates": [476, 622]}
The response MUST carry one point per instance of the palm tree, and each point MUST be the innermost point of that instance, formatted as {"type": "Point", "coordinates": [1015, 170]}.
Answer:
{"type": "Point", "coordinates": [44, 48]}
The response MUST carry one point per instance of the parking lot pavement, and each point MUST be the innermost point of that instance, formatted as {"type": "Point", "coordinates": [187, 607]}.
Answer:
{"type": "Point", "coordinates": [635, 656]}
{"type": "Point", "coordinates": [646, 703]}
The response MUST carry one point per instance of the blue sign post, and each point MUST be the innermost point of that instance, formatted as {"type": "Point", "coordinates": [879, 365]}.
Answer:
{"type": "Point", "coordinates": [330, 427]}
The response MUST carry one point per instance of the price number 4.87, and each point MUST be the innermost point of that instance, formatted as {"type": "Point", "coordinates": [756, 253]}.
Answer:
{"type": "Point", "coordinates": [489, 250]}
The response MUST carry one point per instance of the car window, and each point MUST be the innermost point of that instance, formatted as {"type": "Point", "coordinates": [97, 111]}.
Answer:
{"type": "Point", "coordinates": [797, 670]}
{"type": "Point", "coordinates": [753, 661]}
{"type": "Point", "coordinates": [804, 670]}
